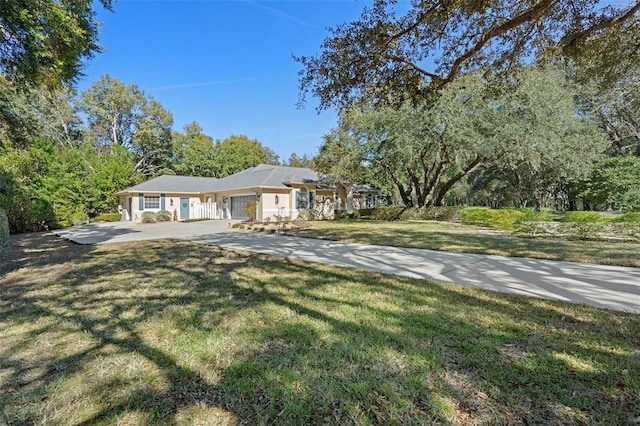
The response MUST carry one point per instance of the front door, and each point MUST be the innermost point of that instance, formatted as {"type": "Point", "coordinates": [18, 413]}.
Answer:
{"type": "Point", "coordinates": [184, 208]}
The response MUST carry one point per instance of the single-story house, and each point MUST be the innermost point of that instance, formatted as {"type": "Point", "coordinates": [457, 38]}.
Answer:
{"type": "Point", "coordinates": [278, 191]}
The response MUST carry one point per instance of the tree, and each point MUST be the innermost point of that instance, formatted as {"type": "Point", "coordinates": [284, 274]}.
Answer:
{"type": "Point", "coordinates": [120, 114]}
{"type": "Point", "coordinates": [618, 112]}
{"type": "Point", "coordinates": [237, 153]}
{"type": "Point", "coordinates": [530, 125]}
{"type": "Point", "coordinates": [194, 152]}
{"type": "Point", "coordinates": [387, 58]}
{"type": "Point", "coordinates": [47, 40]}
{"type": "Point", "coordinates": [614, 183]}
{"type": "Point", "coordinates": [296, 161]}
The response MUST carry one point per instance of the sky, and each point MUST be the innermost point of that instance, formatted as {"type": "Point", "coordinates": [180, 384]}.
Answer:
{"type": "Point", "coordinates": [227, 64]}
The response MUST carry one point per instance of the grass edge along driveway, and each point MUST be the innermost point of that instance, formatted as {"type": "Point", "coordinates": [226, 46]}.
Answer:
{"type": "Point", "coordinates": [460, 238]}
{"type": "Point", "coordinates": [171, 332]}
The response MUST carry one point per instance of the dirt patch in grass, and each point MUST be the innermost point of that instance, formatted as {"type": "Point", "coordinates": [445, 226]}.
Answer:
{"type": "Point", "coordinates": [170, 332]}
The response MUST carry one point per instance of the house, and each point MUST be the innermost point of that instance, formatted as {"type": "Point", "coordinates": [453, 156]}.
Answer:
{"type": "Point", "coordinates": [278, 191]}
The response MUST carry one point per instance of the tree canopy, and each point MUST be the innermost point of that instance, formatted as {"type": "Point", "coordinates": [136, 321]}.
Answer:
{"type": "Point", "coordinates": [530, 126]}
{"type": "Point", "coordinates": [122, 114]}
{"type": "Point", "coordinates": [47, 40]}
{"type": "Point", "coordinates": [434, 42]}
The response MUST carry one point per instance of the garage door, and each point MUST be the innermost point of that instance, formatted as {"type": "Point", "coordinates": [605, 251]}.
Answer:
{"type": "Point", "coordinates": [239, 204]}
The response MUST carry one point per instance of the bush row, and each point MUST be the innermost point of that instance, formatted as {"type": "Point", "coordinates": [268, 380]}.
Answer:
{"type": "Point", "coordinates": [407, 213]}
{"type": "Point", "coordinates": [507, 219]}
{"type": "Point", "coordinates": [153, 217]}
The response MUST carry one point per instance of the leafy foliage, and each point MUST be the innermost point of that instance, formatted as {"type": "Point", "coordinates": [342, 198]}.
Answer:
{"type": "Point", "coordinates": [528, 131]}
{"type": "Point", "coordinates": [238, 152]}
{"type": "Point", "coordinates": [615, 183]}
{"type": "Point", "coordinates": [109, 217]}
{"type": "Point", "coordinates": [47, 40]}
{"type": "Point", "coordinates": [120, 114]}
{"type": "Point", "coordinates": [4, 230]}
{"type": "Point", "coordinates": [149, 217]}
{"type": "Point", "coordinates": [387, 58]}
{"type": "Point", "coordinates": [194, 152]}
{"type": "Point", "coordinates": [164, 216]}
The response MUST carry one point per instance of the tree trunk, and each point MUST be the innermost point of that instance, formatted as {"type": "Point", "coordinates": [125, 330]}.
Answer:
{"type": "Point", "coordinates": [449, 184]}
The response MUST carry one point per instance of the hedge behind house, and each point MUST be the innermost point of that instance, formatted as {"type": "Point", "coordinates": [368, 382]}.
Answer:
{"type": "Point", "coordinates": [4, 230]}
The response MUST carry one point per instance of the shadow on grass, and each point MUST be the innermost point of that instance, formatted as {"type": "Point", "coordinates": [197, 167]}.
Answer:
{"type": "Point", "coordinates": [172, 332]}
{"type": "Point", "coordinates": [467, 239]}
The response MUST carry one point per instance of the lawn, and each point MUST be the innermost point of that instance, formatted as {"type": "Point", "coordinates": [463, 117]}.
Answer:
{"type": "Point", "coordinates": [461, 238]}
{"type": "Point", "coordinates": [170, 332]}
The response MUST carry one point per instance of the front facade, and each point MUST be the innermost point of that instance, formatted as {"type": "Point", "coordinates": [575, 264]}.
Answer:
{"type": "Point", "coordinates": [277, 191]}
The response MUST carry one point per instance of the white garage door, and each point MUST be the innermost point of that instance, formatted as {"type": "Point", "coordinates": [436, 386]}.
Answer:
{"type": "Point", "coordinates": [238, 206]}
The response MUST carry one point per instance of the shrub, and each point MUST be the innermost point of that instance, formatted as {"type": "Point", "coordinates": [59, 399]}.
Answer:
{"type": "Point", "coordinates": [109, 217]}
{"type": "Point", "coordinates": [628, 217]}
{"type": "Point", "coordinates": [250, 210]}
{"type": "Point", "coordinates": [308, 215]}
{"type": "Point", "coordinates": [409, 213]}
{"type": "Point", "coordinates": [4, 230]}
{"type": "Point", "coordinates": [503, 219]}
{"type": "Point", "coordinates": [149, 217]}
{"type": "Point", "coordinates": [381, 213]}
{"type": "Point", "coordinates": [163, 216]}
{"type": "Point", "coordinates": [583, 217]}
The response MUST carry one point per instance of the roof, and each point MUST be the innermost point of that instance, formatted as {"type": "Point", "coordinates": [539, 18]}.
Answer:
{"type": "Point", "coordinates": [266, 175]}
{"type": "Point", "coordinates": [178, 184]}
{"type": "Point", "coordinates": [262, 175]}
{"type": "Point", "coordinates": [364, 189]}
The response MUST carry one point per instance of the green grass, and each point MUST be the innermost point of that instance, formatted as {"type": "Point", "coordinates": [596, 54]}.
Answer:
{"type": "Point", "coordinates": [169, 332]}
{"type": "Point", "coordinates": [462, 238]}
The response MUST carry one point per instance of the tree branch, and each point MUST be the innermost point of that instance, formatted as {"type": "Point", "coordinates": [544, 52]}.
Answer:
{"type": "Point", "coordinates": [602, 25]}
{"type": "Point", "coordinates": [531, 14]}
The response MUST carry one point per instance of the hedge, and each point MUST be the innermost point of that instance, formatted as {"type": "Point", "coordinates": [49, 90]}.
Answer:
{"type": "Point", "coordinates": [149, 217]}
{"type": "Point", "coordinates": [4, 230]}
{"type": "Point", "coordinates": [109, 217]}
{"type": "Point", "coordinates": [409, 213]}
{"type": "Point", "coordinates": [163, 216]}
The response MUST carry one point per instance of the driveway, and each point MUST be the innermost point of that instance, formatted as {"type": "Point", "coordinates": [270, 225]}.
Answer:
{"type": "Point", "coordinates": [609, 287]}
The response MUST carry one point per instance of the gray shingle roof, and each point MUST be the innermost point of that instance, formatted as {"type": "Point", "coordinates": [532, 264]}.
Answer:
{"type": "Point", "coordinates": [262, 175]}
{"type": "Point", "coordinates": [178, 184]}
{"type": "Point", "coordinates": [266, 175]}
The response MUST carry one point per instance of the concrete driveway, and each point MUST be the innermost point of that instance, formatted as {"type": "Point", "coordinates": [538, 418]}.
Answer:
{"type": "Point", "coordinates": [609, 287]}
{"type": "Point", "coordinates": [116, 232]}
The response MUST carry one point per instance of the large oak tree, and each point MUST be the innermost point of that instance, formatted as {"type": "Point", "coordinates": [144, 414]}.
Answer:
{"type": "Point", "coordinates": [529, 126]}
{"type": "Point", "coordinates": [435, 41]}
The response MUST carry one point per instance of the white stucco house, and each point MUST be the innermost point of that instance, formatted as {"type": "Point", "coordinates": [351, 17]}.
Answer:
{"type": "Point", "coordinates": [289, 192]}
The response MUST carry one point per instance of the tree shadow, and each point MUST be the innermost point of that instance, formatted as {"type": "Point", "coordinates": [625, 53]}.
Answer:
{"type": "Point", "coordinates": [173, 332]}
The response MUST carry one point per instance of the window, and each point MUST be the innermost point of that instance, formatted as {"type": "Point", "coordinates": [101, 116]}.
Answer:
{"type": "Point", "coordinates": [304, 199]}
{"type": "Point", "coordinates": [151, 202]}
{"type": "Point", "coordinates": [370, 201]}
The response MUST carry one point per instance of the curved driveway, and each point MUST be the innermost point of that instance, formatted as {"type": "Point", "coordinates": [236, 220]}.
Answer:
{"type": "Point", "coordinates": [609, 287]}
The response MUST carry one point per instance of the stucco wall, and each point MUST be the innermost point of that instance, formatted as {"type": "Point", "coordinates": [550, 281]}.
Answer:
{"type": "Point", "coordinates": [172, 204]}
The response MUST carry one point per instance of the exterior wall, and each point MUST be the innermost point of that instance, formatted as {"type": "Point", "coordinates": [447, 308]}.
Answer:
{"type": "Point", "coordinates": [267, 207]}
{"type": "Point", "coordinates": [171, 204]}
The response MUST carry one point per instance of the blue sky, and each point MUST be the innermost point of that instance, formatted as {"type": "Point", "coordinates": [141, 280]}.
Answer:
{"type": "Point", "coordinates": [226, 64]}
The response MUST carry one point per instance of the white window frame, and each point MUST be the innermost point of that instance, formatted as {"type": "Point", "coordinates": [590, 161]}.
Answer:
{"type": "Point", "coordinates": [150, 202]}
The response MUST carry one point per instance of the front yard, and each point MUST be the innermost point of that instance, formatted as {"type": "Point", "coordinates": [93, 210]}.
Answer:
{"type": "Point", "coordinates": [169, 332]}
